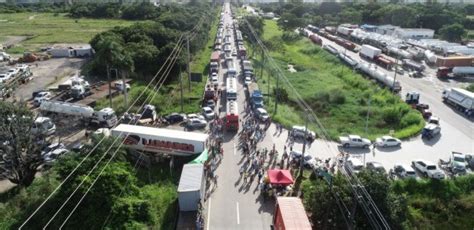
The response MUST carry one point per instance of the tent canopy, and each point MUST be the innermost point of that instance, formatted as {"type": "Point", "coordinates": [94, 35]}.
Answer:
{"type": "Point", "coordinates": [201, 158]}
{"type": "Point", "coordinates": [280, 177]}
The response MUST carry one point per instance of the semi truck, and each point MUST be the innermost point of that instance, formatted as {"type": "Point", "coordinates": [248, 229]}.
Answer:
{"type": "Point", "coordinates": [290, 214]}
{"type": "Point", "coordinates": [461, 99]}
{"type": "Point", "coordinates": [380, 76]}
{"type": "Point", "coordinates": [398, 53]}
{"type": "Point", "coordinates": [161, 141]}
{"type": "Point", "coordinates": [247, 66]}
{"type": "Point", "coordinates": [348, 60]}
{"type": "Point", "coordinates": [315, 39]}
{"type": "Point", "coordinates": [105, 117]}
{"type": "Point", "coordinates": [375, 54]}
{"type": "Point", "coordinates": [458, 71]}
{"type": "Point", "coordinates": [454, 61]}
{"type": "Point", "coordinates": [255, 96]}
{"type": "Point", "coordinates": [411, 65]}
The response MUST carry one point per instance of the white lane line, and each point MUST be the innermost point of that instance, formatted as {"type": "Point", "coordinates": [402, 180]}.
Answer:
{"type": "Point", "coordinates": [238, 216]}
{"type": "Point", "coordinates": [208, 214]}
{"type": "Point", "coordinates": [235, 152]}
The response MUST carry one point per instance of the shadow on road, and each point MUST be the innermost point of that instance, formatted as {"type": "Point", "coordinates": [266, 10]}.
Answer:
{"type": "Point", "coordinates": [431, 141]}
{"type": "Point", "coordinates": [388, 149]}
{"type": "Point", "coordinates": [354, 150]}
{"type": "Point", "coordinates": [267, 205]}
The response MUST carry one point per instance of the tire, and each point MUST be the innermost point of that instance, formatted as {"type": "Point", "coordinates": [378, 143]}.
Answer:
{"type": "Point", "coordinates": [385, 146]}
{"type": "Point", "coordinates": [366, 146]}
{"type": "Point", "coordinates": [345, 145]}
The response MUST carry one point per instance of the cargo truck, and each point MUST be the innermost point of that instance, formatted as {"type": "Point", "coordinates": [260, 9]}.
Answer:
{"type": "Point", "coordinates": [161, 141]}
{"type": "Point", "coordinates": [105, 117]}
{"type": "Point", "coordinates": [461, 99]}
{"type": "Point", "coordinates": [290, 214]}
{"type": "Point", "coordinates": [411, 65]}
{"type": "Point", "coordinates": [255, 96]}
{"type": "Point", "coordinates": [458, 71]}
{"type": "Point", "coordinates": [215, 56]}
{"type": "Point", "coordinates": [247, 66]}
{"type": "Point", "coordinates": [369, 52]}
{"type": "Point", "coordinates": [454, 61]}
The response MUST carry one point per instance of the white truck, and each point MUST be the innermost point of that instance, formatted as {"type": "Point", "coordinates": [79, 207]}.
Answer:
{"type": "Point", "coordinates": [462, 71]}
{"type": "Point", "coordinates": [369, 52]}
{"type": "Point", "coordinates": [461, 99]}
{"type": "Point", "coordinates": [105, 117]}
{"type": "Point", "coordinates": [373, 72]}
{"type": "Point", "coordinates": [354, 141]}
{"type": "Point", "coordinates": [162, 141]}
{"type": "Point", "coordinates": [428, 169]}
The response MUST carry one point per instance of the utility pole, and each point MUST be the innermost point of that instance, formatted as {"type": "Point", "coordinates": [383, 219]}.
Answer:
{"type": "Point", "coordinates": [125, 93]}
{"type": "Point", "coordinates": [110, 85]}
{"type": "Point", "coordinates": [181, 84]}
{"type": "Point", "coordinates": [189, 64]}
{"type": "Point", "coordinates": [304, 142]}
{"type": "Point", "coordinates": [277, 90]}
{"type": "Point", "coordinates": [367, 121]}
{"type": "Point", "coordinates": [395, 75]}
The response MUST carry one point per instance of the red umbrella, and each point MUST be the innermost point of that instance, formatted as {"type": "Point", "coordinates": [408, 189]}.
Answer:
{"type": "Point", "coordinates": [280, 177]}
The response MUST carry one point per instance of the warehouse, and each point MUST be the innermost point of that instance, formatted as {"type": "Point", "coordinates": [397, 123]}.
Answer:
{"type": "Point", "coordinates": [413, 33]}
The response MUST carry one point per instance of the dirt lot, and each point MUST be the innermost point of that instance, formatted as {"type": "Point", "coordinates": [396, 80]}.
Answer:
{"type": "Point", "coordinates": [46, 74]}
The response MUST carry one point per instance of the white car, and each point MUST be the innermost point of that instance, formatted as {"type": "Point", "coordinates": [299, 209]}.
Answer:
{"type": "Point", "coordinates": [215, 81]}
{"type": "Point", "coordinates": [404, 171]}
{"type": "Point", "coordinates": [195, 116]}
{"type": "Point", "coordinates": [234, 52]}
{"type": "Point", "coordinates": [196, 124]}
{"type": "Point", "coordinates": [208, 113]}
{"type": "Point", "coordinates": [5, 77]}
{"type": "Point", "coordinates": [298, 132]}
{"type": "Point", "coordinates": [13, 71]}
{"type": "Point", "coordinates": [387, 141]}
{"type": "Point", "coordinates": [247, 80]}
{"type": "Point", "coordinates": [354, 165]}
{"type": "Point", "coordinates": [262, 114]}
{"type": "Point", "coordinates": [354, 141]}
{"type": "Point", "coordinates": [40, 97]}
{"type": "Point", "coordinates": [428, 169]}
{"type": "Point", "coordinates": [50, 158]}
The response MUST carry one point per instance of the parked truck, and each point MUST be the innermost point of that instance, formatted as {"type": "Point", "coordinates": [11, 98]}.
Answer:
{"type": "Point", "coordinates": [255, 96]}
{"type": "Point", "coordinates": [458, 71]}
{"type": "Point", "coordinates": [411, 65]}
{"type": "Point", "coordinates": [461, 99]}
{"type": "Point", "coordinates": [454, 61]}
{"type": "Point", "coordinates": [161, 141]}
{"type": "Point", "coordinates": [290, 214]}
{"type": "Point", "coordinates": [369, 52]}
{"type": "Point", "coordinates": [105, 117]}
{"type": "Point", "coordinates": [315, 39]}
{"type": "Point", "coordinates": [379, 76]}
{"type": "Point", "coordinates": [348, 60]}
{"type": "Point", "coordinates": [247, 66]}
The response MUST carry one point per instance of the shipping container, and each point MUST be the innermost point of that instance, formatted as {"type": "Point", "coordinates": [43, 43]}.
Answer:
{"type": "Point", "coordinates": [290, 214]}
{"type": "Point", "coordinates": [454, 61]}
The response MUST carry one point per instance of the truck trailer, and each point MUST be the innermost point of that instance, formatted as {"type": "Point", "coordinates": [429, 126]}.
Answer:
{"type": "Point", "coordinates": [454, 61]}
{"type": "Point", "coordinates": [369, 52]}
{"type": "Point", "coordinates": [458, 71]}
{"type": "Point", "coordinates": [290, 214]}
{"type": "Point", "coordinates": [161, 141]}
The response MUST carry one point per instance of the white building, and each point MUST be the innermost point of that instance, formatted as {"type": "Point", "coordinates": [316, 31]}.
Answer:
{"type": "Point", "coordinates": [413, 33]}
{"type": "Point", "coordinates": [386, 29]}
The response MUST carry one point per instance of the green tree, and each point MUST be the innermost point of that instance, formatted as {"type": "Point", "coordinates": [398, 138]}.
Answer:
{"type": "Point", "coordinates": [452, 33]}
{"type": "Point", "coordinates": [289, 21]}
{"type": "Point", "coordinates": [20, 148]}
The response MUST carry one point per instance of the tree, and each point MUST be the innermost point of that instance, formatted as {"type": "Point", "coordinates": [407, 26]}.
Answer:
{"type": "Point", "coordinates": [20, 148]}
{"type": "Point", "coordinates": [290, 21]}
{"type": "Point", "coordinates": [452, 33]}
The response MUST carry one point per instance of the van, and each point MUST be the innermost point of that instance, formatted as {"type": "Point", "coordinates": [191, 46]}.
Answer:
{"type": "Point", "coordinates": [354, 165]}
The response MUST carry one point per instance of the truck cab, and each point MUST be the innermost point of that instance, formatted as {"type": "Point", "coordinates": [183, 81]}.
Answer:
{"type": "Point", "coordinates": [412, 98]}
{"type": "Point", "coordinates": [430, 131]}
{"type": "Point", "coordinates": [105, 117]}
{"type": "Point", "coordinates": [43, 126]}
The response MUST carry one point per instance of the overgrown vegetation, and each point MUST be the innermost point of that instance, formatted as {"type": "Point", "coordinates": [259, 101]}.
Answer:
{"type": "Point", "coordinates": [406, 204]}
{"type": "Point", "coordinates": [434, 15]}
{"type": "Point", "coordinates": [120, 199]}
{"type": "Point", "coordinates": [338, 95]}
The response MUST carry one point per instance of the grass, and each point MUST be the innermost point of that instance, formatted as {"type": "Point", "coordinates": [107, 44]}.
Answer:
{"type": "Point", "coordinates": [169, 98]}
{"type": "Point", "coordinates": [337, 95]}
{"type": "Point", "coordinates": [50, 28]}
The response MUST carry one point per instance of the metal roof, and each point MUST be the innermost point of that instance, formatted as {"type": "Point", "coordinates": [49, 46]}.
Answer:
{"type": "Point", "coordinates": [293, 214]}
{"type": "Point", "coordinates": [170, 133]}
{"type": "Point", "coordinates": [191, 178]}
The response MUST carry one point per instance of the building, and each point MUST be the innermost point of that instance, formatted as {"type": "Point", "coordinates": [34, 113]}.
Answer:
{"type": "Point", "coordinates": [413, 33]}
{"type": "Point", "coordinates": [386, 29]}
{"type": "Point", "coordinates": [59, 51]}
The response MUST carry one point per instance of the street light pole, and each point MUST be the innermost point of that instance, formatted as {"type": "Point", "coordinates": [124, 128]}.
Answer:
{"type": "Point", "coordinates": [110, 85]}
{"type": "Point", "coordinates": [367, 121]}
{"type": "Point", "coordinates": [395, 75]}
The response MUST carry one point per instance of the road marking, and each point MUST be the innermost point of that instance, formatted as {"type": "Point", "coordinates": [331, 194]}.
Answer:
{"type": "Point", "coordinates": [235, 152]}
{"type": "Point", "coordinates": [208, 214]}
{"type": "Point", "coordinates": [238, 216]}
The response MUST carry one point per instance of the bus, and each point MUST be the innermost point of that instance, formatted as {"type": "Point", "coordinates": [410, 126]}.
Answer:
{"type": "Point", "coordinates": [232, 116]}
{"type": "Point", "coordinates": [231, 88]}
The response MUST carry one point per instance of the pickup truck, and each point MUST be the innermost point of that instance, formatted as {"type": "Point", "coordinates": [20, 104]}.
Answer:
{"type": "Point", "coordinates": [354, 141]}
{"type": "Point", "coordinates": [428, 169]}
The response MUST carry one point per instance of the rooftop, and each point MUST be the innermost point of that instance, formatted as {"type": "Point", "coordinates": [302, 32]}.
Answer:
{"type": "Point", "coordinates": [170, 133]}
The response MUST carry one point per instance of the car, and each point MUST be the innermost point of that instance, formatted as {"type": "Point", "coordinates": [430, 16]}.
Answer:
{"type": "Point", "coordinates": [433, 120]}
{"type": "Point", "coordinates": [42, 96]}
{"type": "Point", "coordinates": [13, 71]}
{"type": "Point", "coordinates": [234, 52]}
{"type": "Point", "coordinates": [195, 124]}
{"type": "Point", "coordinates": [118, 85]}
{"type": "Point", "coordinates": [51, 157]}
{"type": "Point", "coordinates": [404, 171]}
{"type": "Point", "coordinates": [375, 166]}
{"type": "Point", "coordinates": [5, 77]}
{"type": "Point", "coordinates": [428, 169]}
{"type": "Point", "coordinates": [430, 131]}
{"type": "Point", "coordinates": [208, 113]}
{"type": "Point", "coordinates": [102, 131]}
{"type": "Point", "coordinates": [261, 114]}
{"type": "Point", "coordinates": [175, 118]}
{"type": "Point", "coordinates": [247, 80]}
{"type": "Point", "coordinates": [52, 147]}
{"type": "Point", "coordinates": [308, 161]}
{"type": "Point", "coordinates": [210, 103]}
{"type": "Point", "coordinates": [387, 141]}
{"type": "Point", "coordinates": [299, 132]}
{"type": "Point", "coordinates": [354, 165]}
{"type": "Point", "coordinates": [195, 116]}
{"type": "Point", "coordinates": [215, 81]}
{"type": "Point", "coordinates": [470, 161]}
{"type": "Point", "coordinates": [354, 141]}
{"type": "Point", "coordinates": [458, 162]}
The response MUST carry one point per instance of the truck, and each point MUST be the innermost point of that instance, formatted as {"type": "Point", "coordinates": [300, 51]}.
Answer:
{"type": "Point", "coordinates": [458, 71]}
{"type": "Point", "coordinates": [428, 169]}
{"type": "Point", "coordinates": [232, 116]}
{"type": "Point", "coordinates": [411, 65]}
{"type": "Point", "coordinates": [383, 61]}
{"type": "Point", "coordinates": [344, 31]}
{"type": "Point", "coordinates": [255, 95]}
{"type": "Point", "coordinates": [105, 117]}
{"type": "Point", "coordinates": [43, 126]}
{"type": "Point", "coordinates": [369, 52]}
{"type": "Point", "coordinates": [461, 99]}
{"type": "Point", "coordinates": [192, 187]}
{"type": "Point", "coordinates": [290, 214]}
{"type": "Point", "coordinates": [161, 141]}
{"type": "Point", "coordinates": [454, 61]}
{"type": "Point", "coordinates": [247, 66]}
{"type": "Point", "coordinates": [398, 53]}
{"type": "Point", "coordinates": [215, 56]}
{"type": "Point", "coordinates": [315, 39]}
{"type": "Point", "coordinates": [380, 76]}
{"type": "Point", "coordinates": [348, 60]}
{"type": "Point", "coordinates": [331, 49]}
{"type": "Point", "coordinates": [354, 141]}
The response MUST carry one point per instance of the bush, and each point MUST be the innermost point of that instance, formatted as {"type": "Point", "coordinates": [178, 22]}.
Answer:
{"type": "Point", "coordinates": [411, 118]}
{"type": "Point", "coordinates": [336, 96]}
{"type": "Point", "coordinates": [281, 94]}
{"type": "Point", "coordinates": [391, 116]}
{"type": "Point", "coordinates": [290, 37]}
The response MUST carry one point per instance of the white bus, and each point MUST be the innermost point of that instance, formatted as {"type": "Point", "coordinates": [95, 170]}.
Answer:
{"type": "Point", "coordinates": [231, 88]}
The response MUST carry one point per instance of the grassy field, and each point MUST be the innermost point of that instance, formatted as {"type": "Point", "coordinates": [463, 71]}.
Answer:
{"type": "Point", "coordinates": [169, 98]}
{"type": "Point", "coordinates": [337, 95]}
{"type": "Point", "coordinates": [49, 28]}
